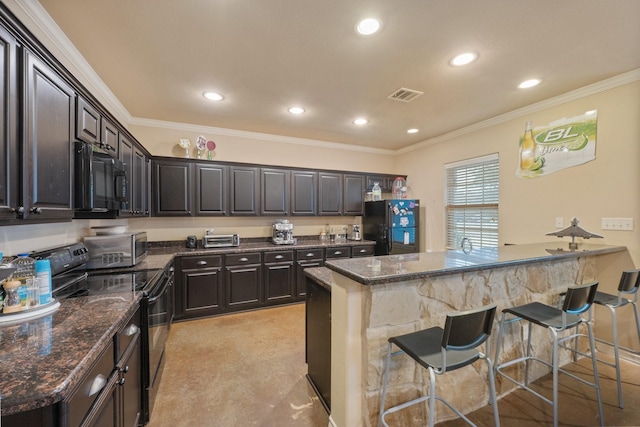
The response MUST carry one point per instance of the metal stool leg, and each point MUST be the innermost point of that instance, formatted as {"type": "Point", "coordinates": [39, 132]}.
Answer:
{"type": "Point", "coordinates": [385, 380]}
{"type": "Point", "coordinates": [616, 354]}
{"type": "Point", "coordinates": [596, 377]}
{"type": "Point", "coordinates": [554, 367]}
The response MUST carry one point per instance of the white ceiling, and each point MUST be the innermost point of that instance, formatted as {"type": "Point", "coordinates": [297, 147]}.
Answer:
{"type": "Point", "coordinates": [157, 57]}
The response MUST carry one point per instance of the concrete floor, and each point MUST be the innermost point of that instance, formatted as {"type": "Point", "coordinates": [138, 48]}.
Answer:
{"type": "Point", "coordinates": [248, 369]}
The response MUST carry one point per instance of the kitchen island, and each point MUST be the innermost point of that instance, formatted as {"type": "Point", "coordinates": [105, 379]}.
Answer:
{"type": "Point", "coordinates": [375, 298]}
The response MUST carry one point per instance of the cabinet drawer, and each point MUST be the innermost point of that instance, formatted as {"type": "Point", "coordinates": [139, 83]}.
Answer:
{"type": "Point", "coordinates": [242, 259]}
{"type": "Point", "coordinates": [127, 334]}
{"type": "Point", "coordinates": [307, 254]}
{"type": "Point", "coordinates": [90, 387]}
{"type": "Point", "coordinates": [357, 251]}
{"type": "Point", "coordinates": [279, 256]}
{"type": "Point", "coordinates": [204, 261]}
{"type": "Point", "coordinates": [338, 252]}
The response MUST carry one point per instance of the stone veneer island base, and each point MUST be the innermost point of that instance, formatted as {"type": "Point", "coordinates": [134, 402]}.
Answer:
{"type": "Point", "coordinates": [375, 298]}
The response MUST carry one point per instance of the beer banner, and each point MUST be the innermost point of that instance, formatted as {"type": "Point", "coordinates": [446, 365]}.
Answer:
{"type": "Point", "coordinates": [561, 144]}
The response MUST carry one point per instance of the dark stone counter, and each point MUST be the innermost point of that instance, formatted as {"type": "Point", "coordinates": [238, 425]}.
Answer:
{"type": "Point", "coordinates": [249, 245]}
{"type": "Point", "coordinates": [320, 275]}
{"type": "Point", "coordinates": [42, 360]}
{"type": "Point", "coordinates": [397, 268]}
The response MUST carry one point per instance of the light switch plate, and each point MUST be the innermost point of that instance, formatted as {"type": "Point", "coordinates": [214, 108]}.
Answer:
{"type": "Point", "coordinates": [559, 222]}
{"type": "Point", "coordinates": [625, 224]}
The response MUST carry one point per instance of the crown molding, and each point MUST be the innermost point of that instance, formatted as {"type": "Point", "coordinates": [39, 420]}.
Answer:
{"type": "Point", "coordinates": [55, 37]}
{"type": "Point", "coordinates": [592, 89]}
{"type": "Point", "coordinates": [186, 127]}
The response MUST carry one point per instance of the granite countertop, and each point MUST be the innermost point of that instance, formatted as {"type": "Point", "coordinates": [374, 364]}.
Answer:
{"type": "Point", "coordinates": [320, 275]}
{"type": "Point", "coordinates": [396, 268]}
{"type": "Point", "coordinates": [248, 245]}
{"type": "Point", "coordinates": [43, 359]}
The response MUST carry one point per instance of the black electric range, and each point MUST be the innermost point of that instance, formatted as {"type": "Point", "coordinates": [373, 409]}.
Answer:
{"type": "Point", "coordinates": [70, 280]}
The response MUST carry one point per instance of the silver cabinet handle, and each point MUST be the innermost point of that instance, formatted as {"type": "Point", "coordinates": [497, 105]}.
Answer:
{"type": "Point", "coordinates": [97, 384]}
{"type": "Point", "coordinates": [363, 251]}
{"type": "Point", "coordinates": [279, 257]}
{"type": "Point", "coordinates": [243, 259]}
{"type": "Point", "coordinates": [337, 253]}
{"type": "Point", "coordinates": [131, 330]}
{"type": "Point", "coordinates": [201, 263]}
{"type": "Point", "coordinates": [310, 254]}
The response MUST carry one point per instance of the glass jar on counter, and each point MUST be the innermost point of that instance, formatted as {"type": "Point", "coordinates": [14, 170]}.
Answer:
{"type": "Point", "coordinates": [25, 273]}
{"type": "Point", "coordinates": [12, 300]}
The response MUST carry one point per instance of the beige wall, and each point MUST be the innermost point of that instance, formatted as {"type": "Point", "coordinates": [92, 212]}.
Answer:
{"type": "Point", "coordinates": [609, 186]}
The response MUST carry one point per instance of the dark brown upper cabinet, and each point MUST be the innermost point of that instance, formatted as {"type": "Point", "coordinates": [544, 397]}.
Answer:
{"type": "Point", "coordinates": [353, 203]}
{"type": "Point", "coordinates": [9, 148]}
{"type": "Point", "coordinates": [212, 195]}
{"type": "Point", "coordinates": [172, 188]}
{"type": "Point", "coordinates": [304, 192]}
{"type": "Point", "coordinates": [329, 193]}
{"type": "Point", "coordinates": [274, 191]}
{"type": "Point", "coordinates": [49, 125]}
{"type": "Point", "coordinates": [244, 190]}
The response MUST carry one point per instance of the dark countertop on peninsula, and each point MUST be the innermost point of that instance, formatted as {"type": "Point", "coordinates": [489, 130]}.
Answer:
{"type": "Point", "coordinates": [43, 359]}
{"type": "Point", "coordinates": [396, 268]}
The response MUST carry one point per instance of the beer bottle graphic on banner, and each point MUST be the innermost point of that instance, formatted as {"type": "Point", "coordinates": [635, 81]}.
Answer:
{"type": "Point", "coordinates": [527, 149]}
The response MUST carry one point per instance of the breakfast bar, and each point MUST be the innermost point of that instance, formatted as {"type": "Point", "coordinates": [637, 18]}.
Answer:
{"type": "Point", "coordinates": [374, 298]}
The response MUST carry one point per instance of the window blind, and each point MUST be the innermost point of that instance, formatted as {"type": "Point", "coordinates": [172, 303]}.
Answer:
{"type": "Point", "coordinates": [472, 193]}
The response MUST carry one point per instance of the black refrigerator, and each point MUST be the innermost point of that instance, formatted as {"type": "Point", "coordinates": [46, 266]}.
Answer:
{"type": "Point", "coordinates": [393, 225]}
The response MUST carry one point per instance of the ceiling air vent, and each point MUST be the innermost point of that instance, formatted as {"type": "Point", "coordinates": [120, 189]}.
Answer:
{"type": "Point", "coordinates": [405, 95]}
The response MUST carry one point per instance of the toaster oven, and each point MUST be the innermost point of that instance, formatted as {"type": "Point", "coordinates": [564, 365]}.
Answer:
{"type": "Point", "coordinates": [220, 240]}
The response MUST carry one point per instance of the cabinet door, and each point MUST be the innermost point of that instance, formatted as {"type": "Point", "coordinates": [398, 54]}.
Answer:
{"type": "Point", "coordinates": [172, 187]}
{"type": "Point", "coordinates": [125, 154]}
{"type": "Point", "coordinates": [329, 193]}
{"type": "Point", "coordinates": [278, 276]}
{"type": "Point", "coordinates": [211, 189]}
{"type": "Point", "coordinates": [304, 192]}
{"type": "Point", "coordinates": [306, 258]}
{"type": "Point", "coordinates": [130, 387]}
{"type": "Point", "coordinates": [243, 281]}
{"type": "Point", "coordinates": [245, 190]}
{"type": "Point", "coordinates": [353, 195]}
{"type": "Point", "coordinates": [109, 135]}
{"type": "Point", "coordinates": [9, 178]}
{"type": "Point", "coordinates": [198, 286]}
{"type": "Point", "coordinates": [88, 122]}
{"type": "Point", "coordinates": [274, 192]}
{"type": "Point", "coordinates": [138, 176]}
{"type": "Point", "coordinates": [49, 107]}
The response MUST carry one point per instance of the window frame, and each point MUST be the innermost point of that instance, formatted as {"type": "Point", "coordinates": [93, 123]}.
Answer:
{"type": "Point", "coordinates": [475, 205]}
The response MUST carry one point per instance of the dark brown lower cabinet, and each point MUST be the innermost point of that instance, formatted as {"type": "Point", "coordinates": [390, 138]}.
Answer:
{"type": "Point", "coordinates": [243, 280]}
{"type": "Point", "coordinates": [199, 286]}
{"type": "Point", "coordinates": [278, 277]}
{"type": "Point", "coordinates": [306, 258]}
{"type": "Point", "coordinates": [318, 340]}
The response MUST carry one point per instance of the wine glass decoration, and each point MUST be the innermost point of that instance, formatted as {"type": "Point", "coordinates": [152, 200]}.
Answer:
{"type": "Point", "coordinates": [210, 146]}
{"type": "Point", "coordinates": [185, 143]}
{"type": "Point", "coordinates": [201, 144]}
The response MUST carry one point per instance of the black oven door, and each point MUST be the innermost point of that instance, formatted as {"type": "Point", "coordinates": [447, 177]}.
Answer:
{"type": "Point", "coordinates": [159, 315]}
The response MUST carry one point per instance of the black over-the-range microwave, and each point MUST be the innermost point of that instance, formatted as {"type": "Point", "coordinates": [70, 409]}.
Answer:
{"type": "Point", "coordinates": [100, 179]}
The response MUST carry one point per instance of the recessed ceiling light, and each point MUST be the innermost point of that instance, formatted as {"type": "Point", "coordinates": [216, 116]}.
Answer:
{"type": "Point", "coordinates": [414, 130]}
{"type": "Point", "coordinates": [296, 110]}
{"type": "Point", "coordinates": [529, 83]}
{"type": "Point", "coordinates": [368, 26]}
{"type": "Point", "coordinates": [360, 121]}
{"type": "Point", "coordinates": [213, 96]}
{"type": "Point", "coordinates": [463, 59]}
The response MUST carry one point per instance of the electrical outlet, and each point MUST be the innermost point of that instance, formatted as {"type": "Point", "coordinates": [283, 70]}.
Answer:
{"type": "Point", "coordinates": [625, 224]}
{"type": "Point", "coordinates": [559, 222]}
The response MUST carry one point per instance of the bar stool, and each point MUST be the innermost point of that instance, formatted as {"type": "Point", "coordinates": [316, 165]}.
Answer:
{"type": "Point", "coordinates": [629, 283]}
{"type": "Point", "coordinates": [443, 350]}
{"type": "Point", "coordinates": [577, 304]}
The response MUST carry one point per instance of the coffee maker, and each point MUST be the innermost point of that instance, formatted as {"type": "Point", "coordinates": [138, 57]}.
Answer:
{"type": "Point", "coordinates": [355, 232]}
{"type": "Point", "coordinates": [283, 233]}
